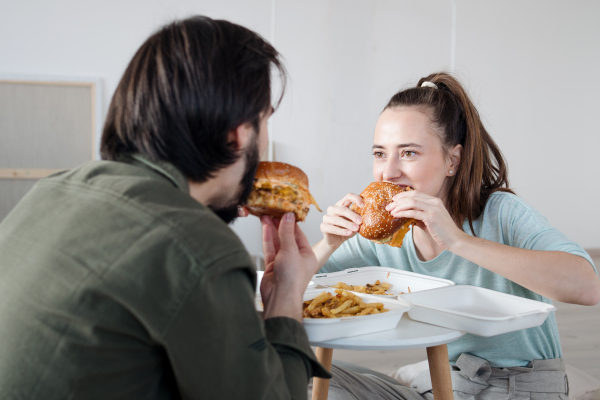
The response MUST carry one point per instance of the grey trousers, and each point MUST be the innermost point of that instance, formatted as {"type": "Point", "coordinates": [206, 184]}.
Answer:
{"type": "Point", "coordinates": [472, 379]}
{"type": "Point", "coordinates": [352, 382]}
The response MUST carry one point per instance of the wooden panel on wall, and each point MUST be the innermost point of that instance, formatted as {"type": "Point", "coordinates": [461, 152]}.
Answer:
{"type": "Point", "coordinates": [45, 126]}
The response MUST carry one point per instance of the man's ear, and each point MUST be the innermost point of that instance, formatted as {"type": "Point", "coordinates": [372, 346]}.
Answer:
{"type": "Point", "coordinates": [239, 137]}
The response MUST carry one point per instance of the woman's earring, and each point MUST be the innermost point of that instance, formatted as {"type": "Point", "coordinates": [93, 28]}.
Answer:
{"type": "Point", "coordinates": [450, 172]}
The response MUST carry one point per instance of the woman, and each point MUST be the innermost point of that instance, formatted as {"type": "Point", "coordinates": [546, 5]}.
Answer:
{"type": "Point", "coordinates": [471, 227]}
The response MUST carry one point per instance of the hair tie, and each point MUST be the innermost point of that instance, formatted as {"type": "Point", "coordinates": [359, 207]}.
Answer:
{"type": "Point", "coordinates": [429, 84]}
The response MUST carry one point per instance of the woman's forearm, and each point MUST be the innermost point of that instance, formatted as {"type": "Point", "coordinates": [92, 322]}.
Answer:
{"type": "Point", "coordinates": [323, 251]}
{"type": "Point", "coordinates": [554, 274]}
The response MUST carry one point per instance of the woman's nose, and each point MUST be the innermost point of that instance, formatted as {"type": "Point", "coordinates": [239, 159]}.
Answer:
{"type": "Point", "coordinates": [391, 171]}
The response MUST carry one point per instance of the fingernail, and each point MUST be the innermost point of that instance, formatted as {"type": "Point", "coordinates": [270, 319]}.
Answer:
{"type": "Point", "coordinates": [288, 216]}
{"type": "Point", "coordinates": [358, 220]}
{"type": "Point", "coordinates": [348, 232]}
{"type": "Point", "coordinates": [355, 227]}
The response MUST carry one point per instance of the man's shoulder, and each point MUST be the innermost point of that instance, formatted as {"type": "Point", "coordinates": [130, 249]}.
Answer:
{"type": "Point", "coordinates": [140, 197]}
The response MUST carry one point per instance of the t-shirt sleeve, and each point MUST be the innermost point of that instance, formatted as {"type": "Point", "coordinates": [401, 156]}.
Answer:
{"type": "Point", "coordinates": [355, 252]}
{"type": "Point", "coordinates": [524, 227]}
{"type": "Point", "coordinates": [220, 348]}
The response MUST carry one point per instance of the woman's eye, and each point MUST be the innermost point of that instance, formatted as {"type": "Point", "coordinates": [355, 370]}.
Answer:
{"type": "Point", "coordinates": [409, 153]}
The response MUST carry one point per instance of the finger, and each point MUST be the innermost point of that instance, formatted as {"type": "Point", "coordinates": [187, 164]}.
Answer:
{"type": "Point", "coordinates": [267, 239]}
{"type": "Point", "coordinates": [415, 214]}
{"type": "Point", "coordinates": [411, 204]}
{"type": "Point", "coordinates": [335, 230]}
{"type": "Point", "coordinates": [243, 212]}
{"type": "Point", "coordinates": [269, 268]}
{"type": "Point", "coordinates": [286, 232]}
{"type": "Point", "coordinates": [349, 199]}
{"type": "Point", "coordinates": [414, 194]}
{"type": "Point", "coordinates": [301, 240]}
{"type": "Point", "coordinates": [274, 222]}
{"type": "Point", "coordinates": [344, 212]}
{"type": "Point", "coordinates": [341, 222]}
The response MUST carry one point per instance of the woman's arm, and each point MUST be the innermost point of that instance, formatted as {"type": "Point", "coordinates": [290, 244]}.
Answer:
{"type": "Point", "coordinates": [554, 274]}
{"type": "Point", "coordinates": [323, 251]}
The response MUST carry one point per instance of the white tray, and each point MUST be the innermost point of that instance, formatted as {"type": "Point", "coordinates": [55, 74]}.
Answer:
{"type": "Point", "coordinates": [476, 310]}
{"type": "Point", "coordinates": [400, 280]}
{"type": "Point", "coordinates": [323, 329]}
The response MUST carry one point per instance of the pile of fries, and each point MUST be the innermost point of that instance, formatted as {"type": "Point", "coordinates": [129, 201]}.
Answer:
{"type": "Point", "coordinates": [343, 304]}
{"type": "Point", "coordinates": [375, 288]}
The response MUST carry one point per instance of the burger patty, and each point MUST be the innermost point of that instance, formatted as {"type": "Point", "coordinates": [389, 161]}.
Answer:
{"type": "Point", "coordinates": [286, 200]}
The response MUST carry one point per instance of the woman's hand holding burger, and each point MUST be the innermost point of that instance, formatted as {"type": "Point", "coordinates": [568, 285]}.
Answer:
{"type": "Point", "coordinates": [431, 216]}
{"type": "Point", "coordinates": [340, 223]}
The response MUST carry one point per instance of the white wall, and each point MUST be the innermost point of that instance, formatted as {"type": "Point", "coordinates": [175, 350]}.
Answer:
{"type": "Point", "coordinates": [529, 66]}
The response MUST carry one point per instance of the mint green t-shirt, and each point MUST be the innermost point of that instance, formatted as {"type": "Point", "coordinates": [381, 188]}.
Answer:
{"type": "Point", "coordinates": [506, 219]}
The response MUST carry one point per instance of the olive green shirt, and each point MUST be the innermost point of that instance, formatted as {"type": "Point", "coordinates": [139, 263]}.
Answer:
{"type": "Point", "coordinates": [116, 284]}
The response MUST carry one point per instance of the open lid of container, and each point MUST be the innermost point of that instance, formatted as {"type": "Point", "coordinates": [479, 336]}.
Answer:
{"type": "Point", "coordinates": [477, 310]}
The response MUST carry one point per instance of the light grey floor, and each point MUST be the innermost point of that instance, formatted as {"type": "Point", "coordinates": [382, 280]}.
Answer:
{"type": "Point", "coordinates": [579, 329]}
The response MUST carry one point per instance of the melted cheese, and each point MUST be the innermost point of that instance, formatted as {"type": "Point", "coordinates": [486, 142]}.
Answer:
{"type": "Point", "coordinates": [398, 237]}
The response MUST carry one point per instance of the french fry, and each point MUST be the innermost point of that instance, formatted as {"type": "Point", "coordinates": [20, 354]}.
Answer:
{"type": "Point", "coordinates": [342, 304]}
{"type": "Point", "coordinates": [341, 308]}
{"type": "Point", "coordinates": [367, 311]}
{"type": "Point", "coordinates": [317, 300]}
{"type": "Point", "coordinates": [341, 285]}
{"type": "Point", "coordinates": [377, 305]}
{"type": "Point", "coordinates": [369, 288]}
{"type": "Point", "coordinates": [327, 313]}
{"type": "Point", "coordinates": [352, 310]}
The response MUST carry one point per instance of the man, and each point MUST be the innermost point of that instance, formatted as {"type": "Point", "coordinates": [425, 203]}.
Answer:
{"type": "Point", "coordinates": [121, 280]}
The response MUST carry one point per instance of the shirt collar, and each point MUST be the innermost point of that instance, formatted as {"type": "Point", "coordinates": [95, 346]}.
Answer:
{"type": "Point", "coordinates": [164, 168]}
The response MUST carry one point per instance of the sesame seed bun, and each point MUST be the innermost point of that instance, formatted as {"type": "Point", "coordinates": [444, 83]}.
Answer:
{"type": "Point", "coordinates": [280, 188]}
{"type": "Point", "coordinates": [378, 225]}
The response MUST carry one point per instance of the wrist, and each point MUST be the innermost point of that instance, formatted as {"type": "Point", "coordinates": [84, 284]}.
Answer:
{"type": "Point", "coordinates": [460, 243]}
{"type": "Point", "coordinates": [283, 306]}
{"type": "Point", "coordinates": [323, 250]}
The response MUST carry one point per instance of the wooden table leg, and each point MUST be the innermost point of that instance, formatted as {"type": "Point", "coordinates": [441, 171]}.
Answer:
{"type": "Point", "coordinates": [439, 369]}
{"type": "Point", "coordinates": [320, 388]}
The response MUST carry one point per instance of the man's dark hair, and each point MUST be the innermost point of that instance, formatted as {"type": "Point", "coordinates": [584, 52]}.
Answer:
{"type": "Point", "coordinates": [186, 88]}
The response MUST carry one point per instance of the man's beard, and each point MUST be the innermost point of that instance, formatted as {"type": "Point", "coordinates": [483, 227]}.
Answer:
{"type": "Point", "coordinates": [229, 212]}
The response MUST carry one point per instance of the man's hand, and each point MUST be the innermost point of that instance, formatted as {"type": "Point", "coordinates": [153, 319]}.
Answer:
{"type": "Point", "coordinates": [289, 265]}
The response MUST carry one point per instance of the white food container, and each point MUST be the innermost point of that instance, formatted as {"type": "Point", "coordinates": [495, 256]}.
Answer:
{"type": "Point", "coordinates": [476, 310]}
{"type": "Point", "coordinates": [323, 329]}
{"type": "Point", "coordinates": [259, 276]}
{"type": "Point", "coordinates": [400, 280]}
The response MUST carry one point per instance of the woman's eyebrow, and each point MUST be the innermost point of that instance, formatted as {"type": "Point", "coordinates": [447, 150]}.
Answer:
{"type": "Point", "coordinates": [400, 146]}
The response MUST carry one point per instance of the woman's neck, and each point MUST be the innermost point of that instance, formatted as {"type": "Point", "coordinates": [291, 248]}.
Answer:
{"type": "Point", "coordinates": [426, 248]}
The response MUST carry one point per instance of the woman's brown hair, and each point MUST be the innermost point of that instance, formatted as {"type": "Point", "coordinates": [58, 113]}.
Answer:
{"type": "Point", "coordinates": [482, 169]}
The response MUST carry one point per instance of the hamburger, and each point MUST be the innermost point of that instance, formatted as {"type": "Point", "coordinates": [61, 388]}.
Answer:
{"type": "Point", "coordinates": [378, 225]}
{"type": "Point", "coordinates": [280, 188]}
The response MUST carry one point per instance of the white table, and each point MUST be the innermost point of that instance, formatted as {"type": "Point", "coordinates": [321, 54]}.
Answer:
{"type": "Point", "coordinates": [408, 334]}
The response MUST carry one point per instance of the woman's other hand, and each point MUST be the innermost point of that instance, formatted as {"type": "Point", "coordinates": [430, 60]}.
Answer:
{"type": "Point", "coordinates": [431, 215]}
{"type": "Point", "coordinates": [340, 223]}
